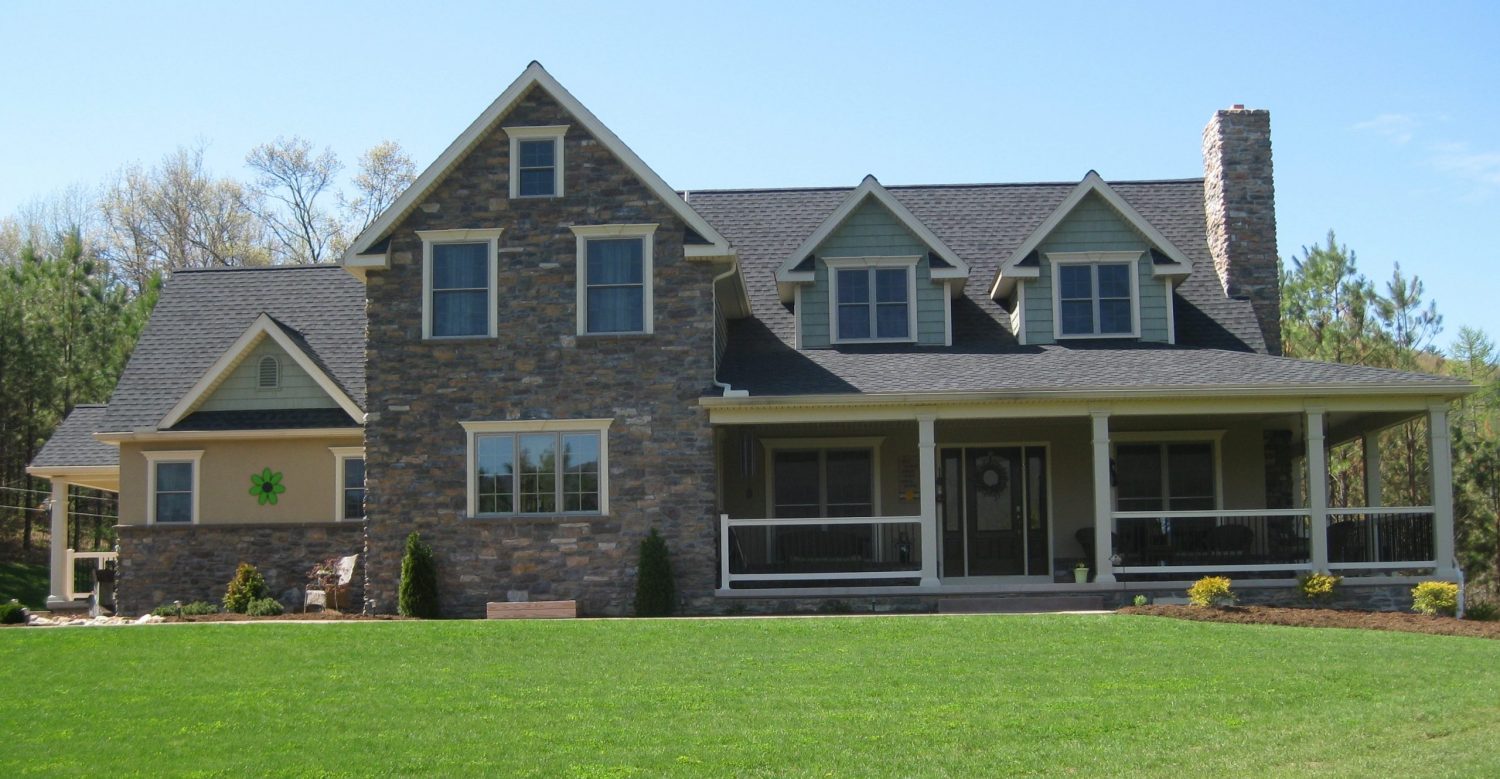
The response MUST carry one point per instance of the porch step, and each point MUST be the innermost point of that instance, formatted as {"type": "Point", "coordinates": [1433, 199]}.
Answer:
{"type": "Point", "coordinates": [1021, 605]}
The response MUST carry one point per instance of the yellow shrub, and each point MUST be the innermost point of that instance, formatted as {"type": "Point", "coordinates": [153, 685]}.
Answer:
{"type": "Point", "coordinates": [1211, 591]}
{"type": "Point", "coordinates": [1435, 598]}
{"type": "Point", "coordinates": [1318, 586]}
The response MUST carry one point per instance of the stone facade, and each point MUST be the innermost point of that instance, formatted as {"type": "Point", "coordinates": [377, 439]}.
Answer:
{"type": "Point", "coordinates": [160, 563]}
{"type": "Point", "coordinates": [1240, 205]}
{"type": "Point", "coordinates": [660, 445]}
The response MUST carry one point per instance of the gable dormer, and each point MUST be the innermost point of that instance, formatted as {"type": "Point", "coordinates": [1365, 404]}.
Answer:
{"type": "Point", "coordinates": [1093, 269]}
{"type": "Point", "coordinates": [872, 273]}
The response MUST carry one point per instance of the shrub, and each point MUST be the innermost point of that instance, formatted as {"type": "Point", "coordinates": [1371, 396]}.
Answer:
{"type": "Point", "coordinates": [264, 607]}
{"type": "Point", "coordinates": [12, 613]}
{"type": "Point", "coordinates": [417, 596]}
{"type": "Point", "coordinates": [1211, 591]}
{"type": "Point", "coordinates": [1142, 600]}
{"type": "Point", "coordinates": [247, 585]}
{"type": "Point", "coordinates": [655, 594]}
{"type": "Point", "coordinates": [1435, 598]}
{"type": "Point", "coordinates": [1482, 611]}
{"type": "Point", "coordinates": [180, 609]}
{"type": "Point", "coordinates": [1318, 587]}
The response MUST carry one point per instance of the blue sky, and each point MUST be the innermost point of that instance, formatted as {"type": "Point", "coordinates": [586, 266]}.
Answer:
{"type": "Point", "coordinates": [1385, 117]}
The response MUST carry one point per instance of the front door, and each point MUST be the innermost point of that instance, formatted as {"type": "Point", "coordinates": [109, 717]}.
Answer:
{"type": "Point", "coordinates": [993, 501]}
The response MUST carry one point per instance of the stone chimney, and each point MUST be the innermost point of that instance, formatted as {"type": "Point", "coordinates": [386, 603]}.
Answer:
{"type": "Point", "coordinates": [1239, 201]}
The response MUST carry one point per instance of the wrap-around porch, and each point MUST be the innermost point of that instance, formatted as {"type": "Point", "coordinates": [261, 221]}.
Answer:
{"type": "Point", "coordinates": [1016, 498]}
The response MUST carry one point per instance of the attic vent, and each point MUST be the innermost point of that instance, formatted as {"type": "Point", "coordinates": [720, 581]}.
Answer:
{"type": "Point", "coordinates": [270, 373]}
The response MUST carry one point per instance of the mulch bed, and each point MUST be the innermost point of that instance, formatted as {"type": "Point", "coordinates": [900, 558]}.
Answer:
{"type": "Point", "coordinates": [1325, 618]}
{"type": "Point", "coordinates": [288, 617]}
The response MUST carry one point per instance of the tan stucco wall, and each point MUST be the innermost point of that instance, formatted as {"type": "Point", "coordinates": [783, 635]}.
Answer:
{"type": "Point", "coordinates": [307, 468]}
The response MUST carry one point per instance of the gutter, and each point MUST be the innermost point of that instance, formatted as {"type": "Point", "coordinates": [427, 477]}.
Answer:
{"type": "Point", "coordinates": [729, 392]}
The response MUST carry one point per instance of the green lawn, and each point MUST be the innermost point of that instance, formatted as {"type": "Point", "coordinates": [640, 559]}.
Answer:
{"type": "Point", "coordinates": [936, 696]}
{"type": "Point", "coordinates": [26, 583]}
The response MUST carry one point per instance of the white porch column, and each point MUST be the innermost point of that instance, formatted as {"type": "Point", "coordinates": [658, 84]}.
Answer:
{"type": "Point", "coordinates": [1442, 490]}
{"type": "Point", "coordinates": [1104, 523]}
{"type": "Point", "coordinates": [59, 554]}
{"type": "Point", "coordinates": [1373, 484]}
{"type": "Point", "coordinates": [1317, 488]}
{"type": "Point", "coordinates": [927, 458]}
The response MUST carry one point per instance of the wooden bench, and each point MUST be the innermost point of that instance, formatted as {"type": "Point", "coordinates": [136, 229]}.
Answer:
{"type": "Point", "coordinates": [542, 609]}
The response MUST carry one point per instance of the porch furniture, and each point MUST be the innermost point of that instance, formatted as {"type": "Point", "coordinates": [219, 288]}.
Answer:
{"type": "Point", "coordinates": [817, 545]}
{"type": "Point", "coordinates": [318, 595]}
{"type": "Point", "coordinates": [1231, 541]}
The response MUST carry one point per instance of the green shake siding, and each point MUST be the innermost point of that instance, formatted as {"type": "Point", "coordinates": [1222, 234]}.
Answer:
{"type": "Point", "coordinates": [1092, 227]}
{"type": "Point", "coordinates": [871, 231]}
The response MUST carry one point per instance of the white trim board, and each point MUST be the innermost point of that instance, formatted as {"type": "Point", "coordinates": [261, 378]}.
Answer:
{"type": "Point", "coordinates": [836, 264]}
{"type": "Point", "coordinates": [1009, 271]}
{"type": "Point", "coordinates": [646, 233]}
{"type": "Point", "coordinates": [193, 457]}
{"type": "Point", "coordinates": [1128, 258]}
{"type": "Point", "coordinates": [514, 427]}
{"type": "Point", "coordinates": [869, 187]}
{"type": "Point", "coordinates": [554, 133]}
{"type": "Point", "coordinates": [341, 455]}
{"type": "Point", "coordinates": [488, 236]}
{"type": "Point", "coordinates": [263, 327]}
{"type": "Point", "coordinates": [534, 76]}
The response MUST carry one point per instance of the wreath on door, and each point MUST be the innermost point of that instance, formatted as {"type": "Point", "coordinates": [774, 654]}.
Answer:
{"type": "Point", "coordinates": [992, 474]}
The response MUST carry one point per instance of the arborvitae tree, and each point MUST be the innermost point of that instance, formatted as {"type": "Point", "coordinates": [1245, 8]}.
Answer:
{"type": "Point", "coordinates": [417, 596]}
{"type": "Point", "coordinates": [655, 593]}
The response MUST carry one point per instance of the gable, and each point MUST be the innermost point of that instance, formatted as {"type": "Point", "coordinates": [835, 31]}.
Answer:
{"type": "Point", "coordinates": [241, 390]}
{"type": "Point", "coordinates": [365, 252]}
{"type": "Point", "coordinates": [1093, 225]}
{"type": "Point", "coordinates": [871, 230]}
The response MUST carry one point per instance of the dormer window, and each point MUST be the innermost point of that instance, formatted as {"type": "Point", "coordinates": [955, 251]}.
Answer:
{"type": "Point", "coordinates": [536, 161]}
{"type": "Point", "coordinates": [873, 298]}
{"type": "Point", "coordinates": [1095, 294]}
{"type": "Point", "coordinates": [268, 373]}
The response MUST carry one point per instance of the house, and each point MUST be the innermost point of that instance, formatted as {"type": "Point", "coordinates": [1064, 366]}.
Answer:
{"type": "Point", "coordinates": [894, 393]}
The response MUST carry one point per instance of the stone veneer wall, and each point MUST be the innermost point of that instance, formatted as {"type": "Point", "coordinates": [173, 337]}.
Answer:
{"type": "Point", "coordinates": [160, 563]}
{"type": "Point", "coordinates": [1239, 201]}
{"type": "Point", "coordinates": [661, 453]}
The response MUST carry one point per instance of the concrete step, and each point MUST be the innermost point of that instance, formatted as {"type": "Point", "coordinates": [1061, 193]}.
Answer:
{"type": "Point", "coordinates": [1021, 604]}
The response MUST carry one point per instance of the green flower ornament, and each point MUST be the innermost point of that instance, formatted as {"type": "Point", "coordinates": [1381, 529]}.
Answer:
{"type": "Point", "coordinates": [266, 486]}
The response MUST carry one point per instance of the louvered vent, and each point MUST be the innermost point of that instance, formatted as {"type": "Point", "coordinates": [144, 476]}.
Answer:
{"type": "Point", "coordinates": [270, 373]}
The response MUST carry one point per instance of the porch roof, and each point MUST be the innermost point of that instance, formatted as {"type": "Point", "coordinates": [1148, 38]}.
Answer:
{"type": "Point", "coordinates": [766, 366]}
{"type": "Point", "coordinates": [73, 444]}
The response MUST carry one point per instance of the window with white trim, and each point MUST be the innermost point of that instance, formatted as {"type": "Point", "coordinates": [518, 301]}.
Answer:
{"type": "Point", "coordinates": [536, 161]}
{"type": "Point", "coordinates": [172, 487]}
{"type": "Point", "coordinates": [459, 296]}
{"type": "Point", "coordinates": [873, 299]}
{"type": "Point", "coordinates": [538, 468]}
{"type": "Point", "coordinates": [1095, 294]}
{"type": "Point", "coordinates": [349, 479]}
{"type": "Point", "coordinates": [1166, 476]}
{"type": "Point", "coordinates": [614, 278]}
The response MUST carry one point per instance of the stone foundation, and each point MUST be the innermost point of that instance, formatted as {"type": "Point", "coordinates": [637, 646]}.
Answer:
{"type": "Point", "coordinates": [160, 564]}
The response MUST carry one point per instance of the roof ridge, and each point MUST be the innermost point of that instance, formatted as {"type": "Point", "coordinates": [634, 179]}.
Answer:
{"type": "Point", "coordinates": [233, 268]}
{"type": "Point", "coordinates": [970, 185]}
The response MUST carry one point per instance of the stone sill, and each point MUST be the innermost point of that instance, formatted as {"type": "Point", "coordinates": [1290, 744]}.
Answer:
{"type": "Point", "coordinates": [591, 338]}
{"type": "Point", "coordinates": [540, 519]}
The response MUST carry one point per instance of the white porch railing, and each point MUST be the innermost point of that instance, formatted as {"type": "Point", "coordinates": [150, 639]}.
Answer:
{"type": "Point", "coordinates": [101, 560]}
{"type": "Point", "coordinates": [1218, 541]}
{"type": "Point", "coordinates": [1386, 537]}
{"type": "Point", "coordinates": [820, 549]}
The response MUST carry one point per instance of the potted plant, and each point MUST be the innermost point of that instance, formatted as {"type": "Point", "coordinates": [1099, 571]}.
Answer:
{"type": "Point", "coordinates": [1081, 572]}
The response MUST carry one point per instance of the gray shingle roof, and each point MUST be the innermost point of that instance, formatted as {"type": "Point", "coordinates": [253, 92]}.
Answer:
{"type": "Point", "coordinates": [202, 312]}
{"type": "Point", "coordinates": [767, 367]}
{"type": "Point", "coordinates": [1219, 339]}
{"type": "Point", "coordinates": [73, 445]}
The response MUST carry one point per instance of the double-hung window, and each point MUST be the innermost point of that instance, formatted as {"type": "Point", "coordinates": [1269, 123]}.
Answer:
{"type": "Point", "coordinates": [540, 468]}
{"type": "Point", "coordinates": [873, 302]}
{"type": "Point", "coordinates": [614, 279]}
{"type": "Point", "coordinates": [459, 287]}
{"type": "Point", "coordinates": [1094, 298]}
{"type": "Point", "coordinates": [172, 487]}
{"type": "Point", "coordinates": [1166, 476]}
{"type": "Point", "coordinates": [536, 161]}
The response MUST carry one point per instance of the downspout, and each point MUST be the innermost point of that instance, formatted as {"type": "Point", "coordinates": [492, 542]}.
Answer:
{"type": "Point", "coordinates": [729, 392]}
